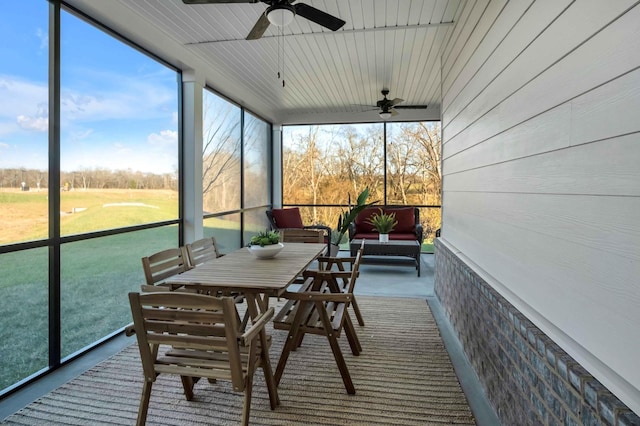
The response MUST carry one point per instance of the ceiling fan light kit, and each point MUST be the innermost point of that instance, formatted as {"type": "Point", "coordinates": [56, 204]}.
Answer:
{"type": "Point", "coordinates": [280, 15]}
{"type": "Point", "coordinates": [388, 106]}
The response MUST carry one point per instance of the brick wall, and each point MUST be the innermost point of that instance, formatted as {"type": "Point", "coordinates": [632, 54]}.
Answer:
{"type": "Point", "coordinates": [528, 379]}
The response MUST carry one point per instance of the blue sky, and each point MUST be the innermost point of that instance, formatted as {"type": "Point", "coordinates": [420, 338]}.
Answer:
{"type": "Point", "coordinates": [119, 107]}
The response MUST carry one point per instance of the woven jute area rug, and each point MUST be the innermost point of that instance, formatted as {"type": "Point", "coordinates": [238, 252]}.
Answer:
{"type": "Point", "coordinates": [403, 377]}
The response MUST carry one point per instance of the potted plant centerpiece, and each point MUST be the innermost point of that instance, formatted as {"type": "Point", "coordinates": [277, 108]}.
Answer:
{"type": "Point", "coordinates": [346, 218]}
{"type": "Point", "coordinates": [266, 244]}
{"type": "Point", "coordinates": [383, 223]}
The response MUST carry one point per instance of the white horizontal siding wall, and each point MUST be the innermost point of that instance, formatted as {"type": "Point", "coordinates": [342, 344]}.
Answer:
{"type": "Point", "coordinates": [541, 190]}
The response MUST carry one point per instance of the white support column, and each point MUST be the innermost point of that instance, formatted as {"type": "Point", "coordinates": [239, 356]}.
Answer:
{"type": "Point", "coordinates": [192, 85]}
{"type": "Point", "coordinates": [277, 166]}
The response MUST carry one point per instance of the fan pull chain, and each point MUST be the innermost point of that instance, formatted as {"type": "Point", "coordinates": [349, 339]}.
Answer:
{"type": "Point", "coordinates": [278, 63]}
{"type": "Point", "coordinates": [283, 41]}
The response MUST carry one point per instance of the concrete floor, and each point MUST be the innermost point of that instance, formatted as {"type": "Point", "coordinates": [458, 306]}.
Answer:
{"type": "Point", "coordinates": [379, 279]}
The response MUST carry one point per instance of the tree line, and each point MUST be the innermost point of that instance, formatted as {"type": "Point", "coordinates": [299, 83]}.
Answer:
{"type": "Point", "coordinates": [33, 179]}
{"type": "Point", "coordinates": [333, 164]}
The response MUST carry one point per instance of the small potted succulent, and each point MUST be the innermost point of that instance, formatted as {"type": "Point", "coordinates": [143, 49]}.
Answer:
{"type": "Point", "coordinates": [265, 244]}
{"type": "Point", "coordinates": [383, 223]}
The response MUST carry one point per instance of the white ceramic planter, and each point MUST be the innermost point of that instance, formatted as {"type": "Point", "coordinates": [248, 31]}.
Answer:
{"type": "Point", "coordinates": [266, 252]}
{"type": "Point", "coordinates": [383, 238]}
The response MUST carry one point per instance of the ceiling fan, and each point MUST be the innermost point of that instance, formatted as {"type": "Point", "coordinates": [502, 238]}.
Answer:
{"type": "Point", "coordinates": [388, 106]}
{"type": "Point", "coordinates": [281, 13]}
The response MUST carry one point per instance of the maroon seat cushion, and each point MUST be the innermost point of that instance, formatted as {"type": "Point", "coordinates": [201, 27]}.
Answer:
{"type": "Point", "coordinates": [402, 236]}
{"type": "Point", "coordinates": [287, 218]}
{"type": "Point", "coordinates": [405, 218]}
{"type": "Point", "coordinates": [366, 236]}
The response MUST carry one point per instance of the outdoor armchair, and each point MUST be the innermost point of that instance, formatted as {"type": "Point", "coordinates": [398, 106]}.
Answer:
{"type": "Point", "coordinates": [290, 218]}
{"type": "Point", "coordinates": [194, 336]}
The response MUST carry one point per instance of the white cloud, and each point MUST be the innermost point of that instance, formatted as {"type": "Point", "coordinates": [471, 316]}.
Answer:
{"type": "Point", "coordinates": [39, 124]}
{"type": "Point", "coordinates": [165, 137]}
{"type": "Point", "coordinates": [80, 134]}
{"type": "Point", "coordinates": [27, 98]}
{"type": "Point", "coordinates": [4, 145]}
{"type": "Point", "coordinates": [117, 97]}
{"type": "Point", "coordinates": [44, 39]}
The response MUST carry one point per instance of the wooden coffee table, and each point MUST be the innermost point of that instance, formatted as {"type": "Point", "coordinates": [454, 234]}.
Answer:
{"type": "Point", "coordinates": [401, 248]}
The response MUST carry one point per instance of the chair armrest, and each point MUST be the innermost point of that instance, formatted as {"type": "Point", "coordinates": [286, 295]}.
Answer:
{"type": "Point", "coordinates": [129, 330]}
{"type": "Point", "coordinates": [336, 259]}
{"type": "Point", "coordinates": [419, 232]}
{"type": "Point", "coordinates": [256, 326]}
{"type": "Point", "coordinates": [352, 230]}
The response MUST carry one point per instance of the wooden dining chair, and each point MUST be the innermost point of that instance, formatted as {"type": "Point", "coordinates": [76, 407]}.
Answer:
{"type": "Point", "coordinates": [202, 250]}
{"type": "Point", "coordinates": [343, 272]}
{"type": "Point", "coordinates": [202, 338]}
{"type": "Point", "coordinates": [319, 307]}
{"type": "Point", "coordinates": [164, 264]}
{"type": "Point", "coordinates": [290, 218]}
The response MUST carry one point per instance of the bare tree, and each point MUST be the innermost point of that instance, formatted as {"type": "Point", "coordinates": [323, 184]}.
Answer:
{"type": "Point", "coordinates": [221, 155]}
{"type": "Point", "coordinates": [427, 135]}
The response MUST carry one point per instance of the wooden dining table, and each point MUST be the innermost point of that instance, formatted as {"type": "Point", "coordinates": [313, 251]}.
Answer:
{"type": "Point", "coordinates": [255, 278]}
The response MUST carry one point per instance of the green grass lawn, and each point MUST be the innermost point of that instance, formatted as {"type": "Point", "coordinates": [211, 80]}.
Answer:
{"type": "Point", "coordinates": [25, 214]}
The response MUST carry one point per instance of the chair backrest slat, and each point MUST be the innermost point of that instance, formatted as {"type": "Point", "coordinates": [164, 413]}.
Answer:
{"type": "Point", "coordinates": [173, 327]}
{"type": "Point", "coordinates": [164, 264]}
{"type": "Point", "coordinates": [189, 342]}
{"type": "Point", "coordinates": [189, 316]}
{"type": "Point", "coordinates": [202, 250]}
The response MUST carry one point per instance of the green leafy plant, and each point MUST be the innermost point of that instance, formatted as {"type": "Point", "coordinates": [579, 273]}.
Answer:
{"type": "Point", "coordinates": [383, 222]}
{"type": "Point", "coordinates": [348, 216]}
{"type": "Point", "coordinates": [265, 238]}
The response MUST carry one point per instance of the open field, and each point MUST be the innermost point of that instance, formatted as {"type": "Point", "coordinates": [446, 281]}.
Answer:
{"type": "Point", "coordinates": [25, 214]}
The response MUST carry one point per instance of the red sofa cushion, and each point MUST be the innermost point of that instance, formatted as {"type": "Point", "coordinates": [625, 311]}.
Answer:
{"type": "Point", "coordinates": [287, 218]}
{"type": "Point", "coordinates": [405, 218]}
{"type": "Point", "coordinates": [362, 220]}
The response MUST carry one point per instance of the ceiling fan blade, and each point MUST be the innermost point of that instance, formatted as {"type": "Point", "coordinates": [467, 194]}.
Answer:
{"type": "Point", "coordinates": [318, 16]}
{"type": "Point", "coordinates": [393, 112]}
{"type": "Point", "coordinates": [218, 1]}
{"type": "Point", "coordinates": [259, 28]}
{"type": "Point", "coordinates": [411, 107]}
{"type": "Point", "coordinates": [395, 101]}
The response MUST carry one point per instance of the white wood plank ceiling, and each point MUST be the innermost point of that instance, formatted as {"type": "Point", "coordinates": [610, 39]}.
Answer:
{"type": "Point", "coordinates": [329, 76]}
